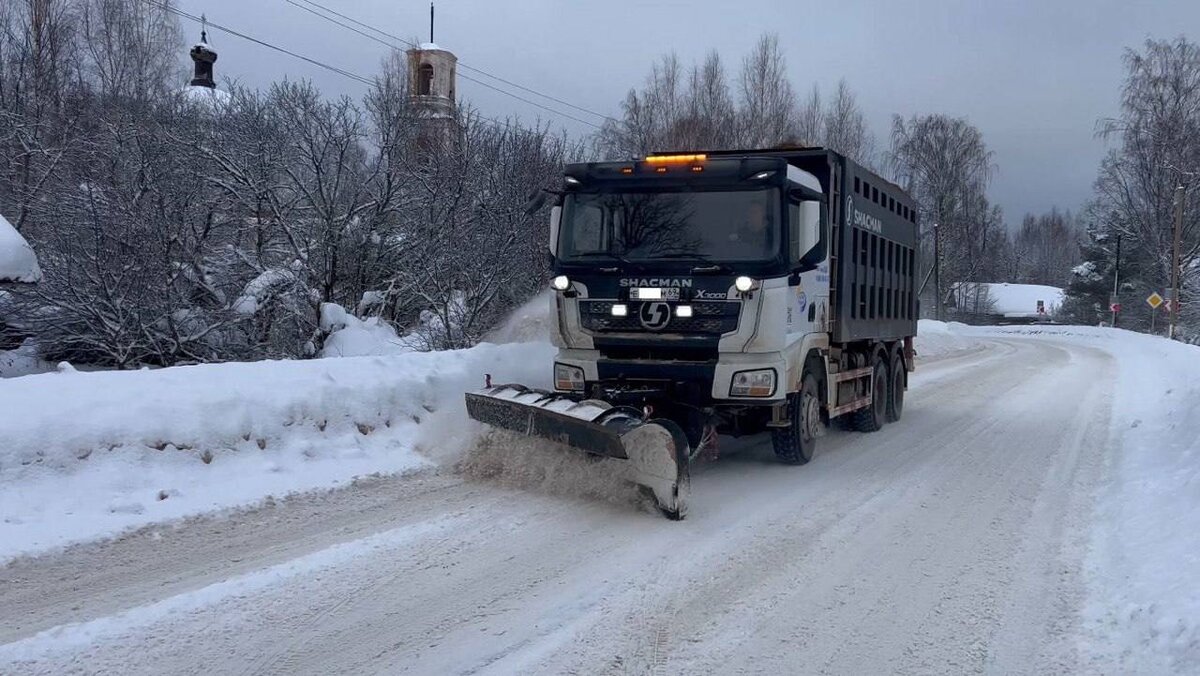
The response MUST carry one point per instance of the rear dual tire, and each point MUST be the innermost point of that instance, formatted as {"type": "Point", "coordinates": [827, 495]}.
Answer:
{"type": "Point", "coordinates": [872, 418]}
{"type": "Point", "coordinates": [899, 380]}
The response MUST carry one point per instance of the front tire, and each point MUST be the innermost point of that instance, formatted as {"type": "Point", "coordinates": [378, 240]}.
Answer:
{"type": "Point", "coordinates": [796, 444]}
{"type": "Point", "coordinates": [871, 418]}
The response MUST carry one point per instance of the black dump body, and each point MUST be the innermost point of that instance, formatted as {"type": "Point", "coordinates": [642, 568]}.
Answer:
{"type": "Point", "coordinates": [873, 265]}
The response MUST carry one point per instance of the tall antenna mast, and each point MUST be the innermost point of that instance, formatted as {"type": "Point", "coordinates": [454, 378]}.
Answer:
{"type": "Point", "coordinates": [203, 28]}
{"type": "Point", "coordinates": [431, 20]}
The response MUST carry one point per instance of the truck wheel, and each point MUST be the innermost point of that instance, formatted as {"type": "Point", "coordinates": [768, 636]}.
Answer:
{"type": "Point", "coordinates": [871, 418]}
{"type": "Point", "coordinates": [796, 444]}
{"type": "Point", "coordinates": [895, 407]}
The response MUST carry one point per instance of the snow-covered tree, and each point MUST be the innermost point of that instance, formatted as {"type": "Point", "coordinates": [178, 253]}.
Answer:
{"type": "Point", "coordinates": [1157, 149]}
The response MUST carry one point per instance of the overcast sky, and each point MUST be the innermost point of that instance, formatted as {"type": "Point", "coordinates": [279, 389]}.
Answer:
{"type": "Point", "coordinates": [1033, 75]}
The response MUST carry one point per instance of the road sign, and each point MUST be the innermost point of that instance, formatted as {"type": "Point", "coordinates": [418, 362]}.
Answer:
{"type": "Point", "coordinates": [1114, 307]}
{"type": "Point", "coordinates": [1154, 300]}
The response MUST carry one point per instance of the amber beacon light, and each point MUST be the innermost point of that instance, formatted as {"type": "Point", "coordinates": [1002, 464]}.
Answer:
{"type": "Point", "coordinates": [675, 159]}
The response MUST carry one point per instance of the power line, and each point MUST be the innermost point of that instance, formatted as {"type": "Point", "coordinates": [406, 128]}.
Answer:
{"type": "Point", "coordinates": [200, 20]}
{"type": "Point", "coordinates": [340, 71]}
{"type": "Point", "coordinates": [461, 64]}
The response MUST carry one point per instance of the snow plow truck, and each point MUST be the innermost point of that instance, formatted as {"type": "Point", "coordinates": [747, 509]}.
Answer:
{"type": "Point", "coordinates": [722, 292]}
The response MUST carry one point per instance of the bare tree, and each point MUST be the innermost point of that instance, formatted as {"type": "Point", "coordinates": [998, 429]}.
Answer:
{"type": "Point", "coordinates": [131, 47]}
{"type": "Point", "coordinates": [768, 103]}
{"type": "Point", "coordinates": [1158, 150]}
{"type": "Point", "coordinates": [945, 165]}
{"type": "Point", "coordinates": [710, 120]}
{"type": "Point", "coordinates": [1046, 248]}
{"type": "Point", "coordinates": [845, 128]}
{"type": "Point", "coordinates": [810, 119]}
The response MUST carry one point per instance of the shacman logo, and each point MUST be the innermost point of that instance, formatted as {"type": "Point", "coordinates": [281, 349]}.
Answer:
{"type": "Point", "coordinates": [858, 218]}
{"type": "Point", "coordinates": [639, 282]}
{"type": "Point", "coordinates": [654, 316]}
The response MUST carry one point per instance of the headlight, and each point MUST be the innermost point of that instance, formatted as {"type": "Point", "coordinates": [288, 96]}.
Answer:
{"type": "Point", "coordinates": [759, 383]}
{"type": "Point", "coordinates": [568, 378]}
{"type": "Point", "coordinates": [683, 311]}
{"type": "Point", "coordinates": [620, 310]}
{"type": "Point", "coordinates": [743, 283]}
{"type": "Point", "coordinates": [561, 282]}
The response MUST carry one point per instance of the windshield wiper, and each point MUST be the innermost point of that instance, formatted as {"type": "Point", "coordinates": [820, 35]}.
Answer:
{"type": "Point", "coordinates": [709, 267]}
{"type": "Point", "coordinates": [607, 255]}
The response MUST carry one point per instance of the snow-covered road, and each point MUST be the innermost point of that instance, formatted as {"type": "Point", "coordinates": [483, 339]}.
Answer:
{"type": "Point", "coordinates": [953, 541]}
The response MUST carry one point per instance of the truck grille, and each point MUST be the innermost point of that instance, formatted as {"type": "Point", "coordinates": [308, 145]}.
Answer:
{"type": "Point", "coordinates": [708, 318]}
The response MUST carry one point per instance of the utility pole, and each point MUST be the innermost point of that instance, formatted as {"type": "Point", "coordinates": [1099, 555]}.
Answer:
{"type": "Point", "coordinates": [1116, 280]}
{"type": "Point", "coordinates": [1175, 262]}
{"type": "Point", "coordinates": [937, 272]}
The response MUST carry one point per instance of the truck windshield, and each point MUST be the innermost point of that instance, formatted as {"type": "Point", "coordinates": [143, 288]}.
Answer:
{"type": "Point", "coordinates": [733, 225]}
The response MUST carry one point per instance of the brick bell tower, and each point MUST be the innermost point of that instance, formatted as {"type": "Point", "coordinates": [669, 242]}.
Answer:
{"type": "Point", "coordinates": [432, 81]}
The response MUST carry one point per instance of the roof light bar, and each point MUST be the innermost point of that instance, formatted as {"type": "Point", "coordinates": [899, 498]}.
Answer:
{"type": "Point", "coordinates": [675, 159]}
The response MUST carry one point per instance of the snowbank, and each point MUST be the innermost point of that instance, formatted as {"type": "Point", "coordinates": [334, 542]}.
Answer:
{"type": "Point", "coordinates": [350, 336]}
{"type": "Point", "coordinates": [23, 361]}
{"type": "Point", "coordinates": [1143, 613]}
{"type": "Point", "coordinates": [86, 455]}
{"type": "Point", "coordinates": [939, 339]}
{"type": "Point", "coordinates": [17, 260]}
{"type": "Point", "coordinates": [1146, 605]}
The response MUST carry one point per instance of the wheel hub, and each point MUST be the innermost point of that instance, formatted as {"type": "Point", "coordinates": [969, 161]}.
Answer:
{"type": "Point", "coordinates": [810, 416]}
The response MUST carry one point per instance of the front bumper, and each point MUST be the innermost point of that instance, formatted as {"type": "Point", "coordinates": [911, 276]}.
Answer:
{"type": "Point", "coordinates": [692, 383]}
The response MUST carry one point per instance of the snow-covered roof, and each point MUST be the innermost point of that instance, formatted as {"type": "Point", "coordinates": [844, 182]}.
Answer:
{"type": "Point", "coordinates": [429, 46]}
{"type": "Point", "coordinates": [18, 263]}
{"type": "Point", "coordinates": [206, 95]}
{"type": "Point", "coordinates": [1014, 300]}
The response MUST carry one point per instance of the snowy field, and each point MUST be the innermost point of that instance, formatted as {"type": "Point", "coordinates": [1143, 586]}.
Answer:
{"type": "Point", "coordinates": [1052, 470]}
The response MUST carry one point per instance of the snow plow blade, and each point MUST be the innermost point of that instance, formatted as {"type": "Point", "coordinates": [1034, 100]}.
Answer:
{"type": "Point", "coordinates": [657, 448]}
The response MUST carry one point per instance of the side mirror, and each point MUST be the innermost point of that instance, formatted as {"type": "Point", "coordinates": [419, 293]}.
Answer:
{"type": "Point", "coordinates": [806, 233]}
{"type": "Point", "coordinates": [536, 201]}
{"type": "Point", "coordinates": [555, 217]}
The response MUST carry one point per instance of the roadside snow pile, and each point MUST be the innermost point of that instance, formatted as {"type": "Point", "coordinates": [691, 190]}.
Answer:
{"type": "Point", "coordinates": [23, 361]}
{"type": "Point", "coordinates": [86, 455]}
{"type": "Point", "coordinates": [1143, 569]}
{"type": "Point", "coordinates": [17, 260]}
{"type": "Point", "coordinates": [350, 336]}
{"type": "Point", "coordinates": [259, 290]}
{"type": "Point", "coordinates": [939, 339]}
{"type": "Point", "coordinates": [1147, 602]}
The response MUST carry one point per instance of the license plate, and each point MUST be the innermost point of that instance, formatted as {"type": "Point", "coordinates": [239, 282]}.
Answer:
{"type": "Point", "coordinates": [651, 293]}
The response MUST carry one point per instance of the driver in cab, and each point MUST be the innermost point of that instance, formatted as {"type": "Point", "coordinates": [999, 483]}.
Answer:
{"type": "Point", "coordinates": [751, 236]}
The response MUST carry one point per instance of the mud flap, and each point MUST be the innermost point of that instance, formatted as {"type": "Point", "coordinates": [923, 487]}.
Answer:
{"type": "Point", "coordinates": [657, 449]}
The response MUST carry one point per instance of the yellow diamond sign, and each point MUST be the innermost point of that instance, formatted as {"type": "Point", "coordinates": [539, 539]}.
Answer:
{"type": "Point", "coordinates": [1154, 300]}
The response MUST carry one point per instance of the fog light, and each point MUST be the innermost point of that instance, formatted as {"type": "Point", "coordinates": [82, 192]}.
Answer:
{"type": "Point", "coordinates": [620, 310]}
{"type": "Point", "coordinates": [759, 383]}
{"type": "Point", "coordinates": [561, 282]}
{"type": "Point", "coordinates": [683, 310]}
{"type": "Point", "coordinates": [568, 378]}
{"type": "Point", "coordinates": [743, 284]}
